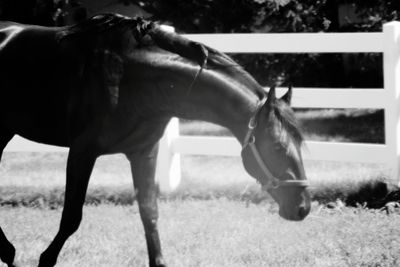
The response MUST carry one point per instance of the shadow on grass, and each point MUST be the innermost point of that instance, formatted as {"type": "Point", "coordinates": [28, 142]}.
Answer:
{"type": "Point", "coordinates": [372, 194]}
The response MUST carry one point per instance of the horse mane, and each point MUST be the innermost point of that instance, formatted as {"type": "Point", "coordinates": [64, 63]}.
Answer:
{"type": "Point", "coordinates": [98, 24]}
{"type": "Point", "coordinates": [285, 116]}
{"type": "Point", "coordinates": [221, 61]}
{"type": "Point", "coordinates": [206, 57]}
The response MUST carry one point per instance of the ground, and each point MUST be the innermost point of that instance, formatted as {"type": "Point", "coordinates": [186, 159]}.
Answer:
{"type": "Point", "coordinates": [213, 233]}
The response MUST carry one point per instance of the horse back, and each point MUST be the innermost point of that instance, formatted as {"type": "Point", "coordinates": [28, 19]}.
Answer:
{"type": "Point", "coordinates": [35, 72]}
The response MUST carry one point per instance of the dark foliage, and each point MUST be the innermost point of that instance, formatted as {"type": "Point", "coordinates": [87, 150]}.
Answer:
{"type": "Point", "coordinates": [315, 70]}
{"type": "Point", "coordinates": [238, 15]}
{"type": "Point", "coordinates": [375, 13]}
{"type": "Point", "coordinates": [371, 195]}
{"type": "Point", "coordinates": [269, 16]}
{"type": "Point", "coordinates": [28, 11]}
{"type": "Point", "coordinates": [43, 12]}
{"type": "Point", "coordinates": [229, 16]}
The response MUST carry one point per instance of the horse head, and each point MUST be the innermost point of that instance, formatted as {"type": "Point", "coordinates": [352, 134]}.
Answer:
{"type": "Point", "coordinates": [272, 154]}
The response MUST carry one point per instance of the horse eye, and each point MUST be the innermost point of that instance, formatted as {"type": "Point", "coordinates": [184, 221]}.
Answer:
{"type": "Point", "coordinates": [278, 147]}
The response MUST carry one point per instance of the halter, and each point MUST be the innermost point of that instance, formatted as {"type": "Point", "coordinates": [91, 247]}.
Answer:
{"type": "Point", "coordinates": [273, 182]}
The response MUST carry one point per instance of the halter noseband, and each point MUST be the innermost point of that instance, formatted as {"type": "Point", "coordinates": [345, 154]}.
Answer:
{"type": "Point", "coordinates": [250, 140]}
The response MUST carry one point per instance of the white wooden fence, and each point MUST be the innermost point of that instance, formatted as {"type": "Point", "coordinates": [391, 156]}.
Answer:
{"type": "Point", "coordinates": [387, 42]}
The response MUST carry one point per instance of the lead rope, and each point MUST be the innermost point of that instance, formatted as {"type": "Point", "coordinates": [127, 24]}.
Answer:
{"type": "Point", "coordinates": [204, 54]}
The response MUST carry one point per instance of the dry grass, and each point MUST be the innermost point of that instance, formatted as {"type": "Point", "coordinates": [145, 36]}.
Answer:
{"type": "Point", "coordinates": [212, 233]}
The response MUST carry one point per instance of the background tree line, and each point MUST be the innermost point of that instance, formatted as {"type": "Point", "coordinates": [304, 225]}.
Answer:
{"type": "Point", "coordinates": [233, 16]}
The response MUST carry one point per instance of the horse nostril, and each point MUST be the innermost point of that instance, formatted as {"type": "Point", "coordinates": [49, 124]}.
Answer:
{"type": "Point", "coordinates": [303, 212]}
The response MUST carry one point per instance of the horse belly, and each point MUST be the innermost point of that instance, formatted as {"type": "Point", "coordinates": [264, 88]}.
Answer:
{"type": "Point", "coordinates": [39, 128]}
{"type": "Point", "coordinates": [32, 108]}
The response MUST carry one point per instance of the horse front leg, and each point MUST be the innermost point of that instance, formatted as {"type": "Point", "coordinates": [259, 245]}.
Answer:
{"type": "Point", "coordinates": [143, 171]}
{"type": "Point", "coordinates": [7, 250]}
{"type": "Point", "coordinates": [81, 160]}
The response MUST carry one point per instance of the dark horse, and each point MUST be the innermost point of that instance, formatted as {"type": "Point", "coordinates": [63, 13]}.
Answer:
{"type": "Point", "coordinates": [111, 84]}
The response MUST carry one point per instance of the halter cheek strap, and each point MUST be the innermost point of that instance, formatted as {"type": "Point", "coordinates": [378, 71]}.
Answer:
{"type": "Point", "coordinates": [272, 182]}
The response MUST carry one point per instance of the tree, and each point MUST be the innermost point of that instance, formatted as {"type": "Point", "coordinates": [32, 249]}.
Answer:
{"type": "Point", "coordinates": [231, 16]}
{"type": "Point", "coordinates": [238, 15]}
{"type": "Point", "coordinates": [285, 16]}
{"type": "Point", "coordinates": [42, 12]}
{"type": "Point", "coordinates": [375, 13]}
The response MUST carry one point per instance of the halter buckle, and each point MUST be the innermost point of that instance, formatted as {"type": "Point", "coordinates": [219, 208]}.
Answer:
{"type": "Point", "coordinates": [252, 140]}
{"type": "Point", "coordinates": [252, 123]}
{"type": "Point", "coordinates": [271, 184]}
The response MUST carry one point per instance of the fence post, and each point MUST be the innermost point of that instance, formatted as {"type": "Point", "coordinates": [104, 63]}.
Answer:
{"type": "Point", "coordinates": [391, 72]}
{"type": "Point", "coordinates": [168, 171]}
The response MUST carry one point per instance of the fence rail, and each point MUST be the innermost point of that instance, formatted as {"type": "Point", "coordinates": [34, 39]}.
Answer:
{"type": "Point", "coordinates": [387, 42]}
{"type": "Point", "coordinates": [227, 146]}
{"type": "Point", "coordinates": [293, 42]}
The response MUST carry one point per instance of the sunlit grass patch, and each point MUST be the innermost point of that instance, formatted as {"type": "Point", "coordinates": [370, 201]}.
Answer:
{"type": "Point", "coordinates": [212, 233]}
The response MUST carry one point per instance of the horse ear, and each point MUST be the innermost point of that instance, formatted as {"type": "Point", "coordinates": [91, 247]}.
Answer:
{"type": "Point", "coordinates": [271, 98]}
{"type": "Point", "coordinates": [288, 96]}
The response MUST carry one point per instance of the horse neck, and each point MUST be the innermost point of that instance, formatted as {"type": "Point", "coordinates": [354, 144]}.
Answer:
{"type": "Point", "coordinates": [214, 97]}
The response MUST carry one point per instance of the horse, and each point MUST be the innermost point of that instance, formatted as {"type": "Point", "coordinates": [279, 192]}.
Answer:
{"type": "Point", "coordinates": [111, 84]}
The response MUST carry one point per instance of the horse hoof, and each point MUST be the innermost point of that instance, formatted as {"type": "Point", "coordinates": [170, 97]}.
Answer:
{"type": "Point", "coordinates": [9, 255]}
{"type": "Point", "coordinates": [45, 262]}
{"type": "Point", "coordinates": [159, 262]}
{"type": "Point", "coordinates": [14, 264]}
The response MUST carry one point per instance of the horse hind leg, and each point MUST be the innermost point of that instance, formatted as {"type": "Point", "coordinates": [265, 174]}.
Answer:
{"type": "Point", "coordinates": [7, 250]}
{"type": "Point", "coordinates": [81, 159]}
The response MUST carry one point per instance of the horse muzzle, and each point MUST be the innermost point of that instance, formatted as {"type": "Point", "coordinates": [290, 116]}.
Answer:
{"type": "Point", "coordinates": [295, 211]}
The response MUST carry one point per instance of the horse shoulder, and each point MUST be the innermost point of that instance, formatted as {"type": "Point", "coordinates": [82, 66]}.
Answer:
{"type": "Point", "coordinates": [8, 31]}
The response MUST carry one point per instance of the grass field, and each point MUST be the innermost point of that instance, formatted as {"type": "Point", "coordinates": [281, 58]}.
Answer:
{"type": "Point", "coordinates": [212, 233]}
